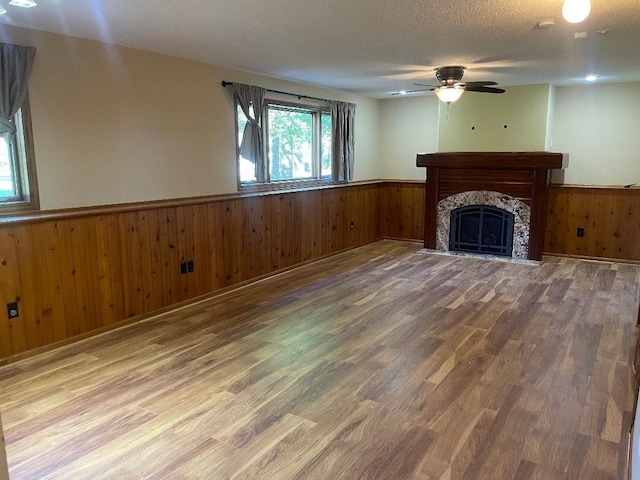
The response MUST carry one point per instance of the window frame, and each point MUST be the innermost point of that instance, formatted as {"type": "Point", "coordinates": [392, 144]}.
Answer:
{"type": "Point", "coordinates": [25, 173]}
{"type": "Point", "coordinates": [318, 111]}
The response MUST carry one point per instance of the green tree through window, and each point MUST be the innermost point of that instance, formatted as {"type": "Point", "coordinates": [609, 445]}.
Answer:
{"type": "Point", "coordinates": [297, 143]}
{"type": "Point", "coordinates": [290, 144]}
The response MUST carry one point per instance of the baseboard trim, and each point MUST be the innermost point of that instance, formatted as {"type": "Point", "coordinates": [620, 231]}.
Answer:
{"type": "Point", "coordinates": [593, 259]}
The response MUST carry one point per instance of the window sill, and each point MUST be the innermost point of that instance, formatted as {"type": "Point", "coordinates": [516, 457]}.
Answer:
{"type": "Point", "coordinates": [18, 208]}
{"type": "Point", "coordinates": [286, 185]}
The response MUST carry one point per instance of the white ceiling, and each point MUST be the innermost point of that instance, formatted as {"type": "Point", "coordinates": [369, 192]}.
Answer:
{"type": "Point", "coordinates": [373, 47]}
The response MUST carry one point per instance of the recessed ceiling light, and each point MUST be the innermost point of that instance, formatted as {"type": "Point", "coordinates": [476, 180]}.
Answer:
{"type": "Point", "coordinates": [2, 10]}
{"type": "Point", "coordinates": [590, 78]}
{"type": "Point", "coordinates": [547, 23]}
{"type": "Point", "coordinates": [23, 3]}
{"type": "Point", "coordinates": [575, 11]}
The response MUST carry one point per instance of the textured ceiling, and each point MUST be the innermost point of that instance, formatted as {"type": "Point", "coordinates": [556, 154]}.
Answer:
{"type": "Point", "coordinates": [372, 47]}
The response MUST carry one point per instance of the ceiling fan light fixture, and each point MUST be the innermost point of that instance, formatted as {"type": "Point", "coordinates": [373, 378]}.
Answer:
{"type": "Point", "coordinates": [23, 3]}
{"type": "Point", "coordinates": [575, 11]}
{"type": "Point", "coordinates": [449, 94]}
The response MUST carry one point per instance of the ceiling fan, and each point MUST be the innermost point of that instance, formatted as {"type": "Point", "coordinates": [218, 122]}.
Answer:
{"type": "Point", "coordinates": [451, 85]}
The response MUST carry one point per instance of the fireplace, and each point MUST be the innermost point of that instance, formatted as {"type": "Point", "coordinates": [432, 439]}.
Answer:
{"type": "Point", "coordinates": [514, 182]}
{"type": "Point", "coordinates": [521, 212]}
{"type": "Point", "coordinates": [481, 229]}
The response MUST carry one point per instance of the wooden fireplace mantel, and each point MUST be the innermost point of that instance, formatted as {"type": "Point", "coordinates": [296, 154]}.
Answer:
{"type": "Point", "coordinates": [523, 175]}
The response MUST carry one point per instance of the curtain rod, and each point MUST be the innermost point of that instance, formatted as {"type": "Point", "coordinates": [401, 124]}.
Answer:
{"type": "Point", "coordinates": [299, 95]}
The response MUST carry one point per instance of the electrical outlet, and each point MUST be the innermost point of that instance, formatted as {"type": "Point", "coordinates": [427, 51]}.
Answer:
{"type": "Point", "coordinates": [12, 310]}
{"type": "Point", "coordinates": [580, 232]}
{"type": "Point", "coordinates": [190, 266]}
{"type": "Point", "coordinates": [183, 268]}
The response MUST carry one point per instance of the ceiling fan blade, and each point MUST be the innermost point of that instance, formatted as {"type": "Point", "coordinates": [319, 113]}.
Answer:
{"type": "Point", "coordinates": [478, 84]}
{"type": "Point", "coordinates": [430, 87]}
{"type": "Point", "coordinates": [484, 89]}
{"type": "Point", "coordinates": [406, 92]}
{"type": "Point", "coordinates": [451, 77]}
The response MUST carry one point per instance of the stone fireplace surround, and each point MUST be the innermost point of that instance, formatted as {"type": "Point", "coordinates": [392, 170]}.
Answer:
{"type": "Point", "coordinates": [520, 210]}
{"type": "Point", "coordinates": [514, 181]}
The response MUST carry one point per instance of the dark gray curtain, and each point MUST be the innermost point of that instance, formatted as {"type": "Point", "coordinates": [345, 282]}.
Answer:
{"type": "Point", "coordinates": [252, 145]}
{"type": "Point", "coordinates": [342, 125]}
{"type": "Point", "coordinates": [15, 66]}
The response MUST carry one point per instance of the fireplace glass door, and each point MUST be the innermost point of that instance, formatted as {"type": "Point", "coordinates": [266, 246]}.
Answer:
{"type": "Point", "coordinates": [481, 229]}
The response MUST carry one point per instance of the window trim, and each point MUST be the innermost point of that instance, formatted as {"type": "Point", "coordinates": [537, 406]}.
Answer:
{"type": "Point", "coordinates": [30, 200]}
{"type": "Point", "coordinates": [287, 184]}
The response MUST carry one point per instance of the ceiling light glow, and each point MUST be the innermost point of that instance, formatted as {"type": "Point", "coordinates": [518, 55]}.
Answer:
{"type": "Point", "coordinates": [23, 3]}
{"type": "Point", "coordinates": [449, 94]}
{"type": "Point", "coordinates": [575, 11]}
{"type": "Point", "coordinates": [2, 10]}
{"type": "Point", "coordinates": [402, 92]}
{"type": "Point", "coordinates": [590, 78]}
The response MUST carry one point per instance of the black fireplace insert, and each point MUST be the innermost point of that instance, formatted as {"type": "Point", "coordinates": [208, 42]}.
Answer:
{"type": "Point", "coordinates": [481, 229]}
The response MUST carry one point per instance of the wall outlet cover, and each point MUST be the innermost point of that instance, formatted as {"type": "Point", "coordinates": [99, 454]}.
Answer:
{"type": "Point", "coordinates": [12, 310]}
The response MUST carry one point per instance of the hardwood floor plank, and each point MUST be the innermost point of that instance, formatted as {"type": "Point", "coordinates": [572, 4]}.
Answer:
{"type": "Point", "coordinates": [344, 456]}
{"type": "Point", "coordinates": [256, 453]}
{"type": "Point", "coordinates": [292, 399]}
{"type": "Point", "coordinates": [381, 363]}
{"type": "Point", "coordinates": [42, 402]}
{"type": "Point", "coordinates": [202, 462]}
{"type": "Point", "coordinates": [551, 441]}
{"type": "Point", "coordinates": [449, 457]}
{"type": "Point", "coordinates": [94, 463]}
{"type": "Point", "coordinates": [532, 471]}
{"type": "Point", "coordinates": [584, 342]}
{"type": "Point", "coordinates": [82, 443]}
{"type": "Point", "coordinates": [298, 453]}
{"type": "Point", "coordinates": [401, 461]}
{"type": "Point", "coordinates": [118, 473]}
{"type": "Point", "coordinates": [594, 459]}
{"type": "Point", "coordinates": [500, 456]}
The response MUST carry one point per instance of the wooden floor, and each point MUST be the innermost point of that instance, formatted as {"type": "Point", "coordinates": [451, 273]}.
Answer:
{"type": "Point", "coordinates": [381, 363]}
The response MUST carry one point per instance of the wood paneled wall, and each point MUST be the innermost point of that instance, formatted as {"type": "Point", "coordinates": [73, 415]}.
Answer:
{"type": "Point", "coordinates": [402, 210]}
{"type": "Point", "coordinates": [88, 271]}
{"type": "Point", "coordinates": [610, 218]}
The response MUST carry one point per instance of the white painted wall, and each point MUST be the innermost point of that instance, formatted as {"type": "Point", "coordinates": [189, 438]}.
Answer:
{"type": "Point", "coordinates": [550, 110]}
{"type": "Point", "coordinates": [408, 126]}
{"type": "Point", "coordinates": [599, 127]}
{"type": "Point", "coordinates": [476, 122]}
{"type": "Point", "coordinates": [114, 125]}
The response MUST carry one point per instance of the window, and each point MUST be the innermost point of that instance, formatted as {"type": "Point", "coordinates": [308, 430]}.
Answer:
{"type": "Point", "coordinates": [297, 142]}
{"type": "Point", "coordinates": [18, 190]}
